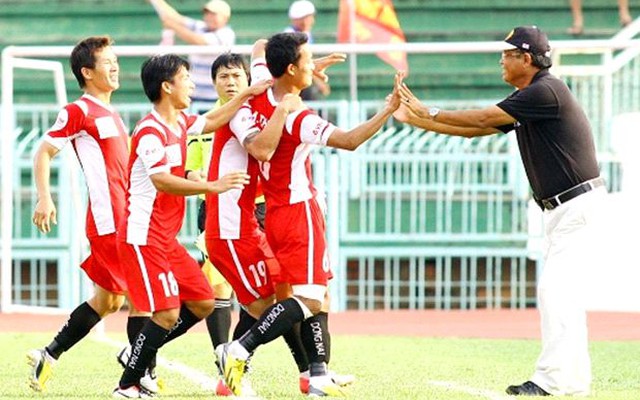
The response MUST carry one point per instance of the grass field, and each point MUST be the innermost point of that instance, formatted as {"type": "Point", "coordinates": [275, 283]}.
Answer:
{"type": "Point", "coordinates": [386, 367]}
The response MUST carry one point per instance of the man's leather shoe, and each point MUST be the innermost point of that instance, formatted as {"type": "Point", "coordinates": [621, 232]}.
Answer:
{"type": "Point", "coordinates": [527, 389]}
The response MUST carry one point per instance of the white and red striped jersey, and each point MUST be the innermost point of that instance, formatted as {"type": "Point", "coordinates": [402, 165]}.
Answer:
{"type": "Point", "coordinates": [99, 139]}
{"type": "Point", "coordinates": [230, 215]}
{"type": "Point", "coordinates": [153, 217]}
{"type": "Point", "coordinates": [286, 178]}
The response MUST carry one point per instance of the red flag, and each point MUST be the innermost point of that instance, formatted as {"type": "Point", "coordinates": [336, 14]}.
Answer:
{"type": "Point", "coordinates": [375, 21]}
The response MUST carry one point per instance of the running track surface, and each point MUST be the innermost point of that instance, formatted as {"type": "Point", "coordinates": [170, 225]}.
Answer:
{"type": "Point", "coordinates": [491, 324]}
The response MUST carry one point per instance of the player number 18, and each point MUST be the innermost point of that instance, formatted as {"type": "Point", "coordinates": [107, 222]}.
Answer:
{"type": "Point", "coordinates": [169, 284]}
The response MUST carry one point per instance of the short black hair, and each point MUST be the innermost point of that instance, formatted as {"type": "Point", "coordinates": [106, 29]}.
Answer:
{"type": "Point", "coordinates": [228, 60]}
{"type": "Point", "coordinates": [158, 69]}
{"type": "Point", "coordinates": [283, 49]}
{"type": "Point", "coordinates": [83, 55]}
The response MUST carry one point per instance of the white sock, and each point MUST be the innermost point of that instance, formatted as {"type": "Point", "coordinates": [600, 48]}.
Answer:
{"type": "Point", "coordinates": [238, 351]}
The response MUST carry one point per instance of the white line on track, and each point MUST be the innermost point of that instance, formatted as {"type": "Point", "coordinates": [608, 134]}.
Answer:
{"type": "Point", "coordinates": [201, 379]}
{"type": "Point", "coordinates": [487, 394]}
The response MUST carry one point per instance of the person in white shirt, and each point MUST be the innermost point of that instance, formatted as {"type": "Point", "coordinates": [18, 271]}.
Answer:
{"type": "Point", "coordinates": [302, 14]}
{"type": "Point", "coordinates": [212, 30]}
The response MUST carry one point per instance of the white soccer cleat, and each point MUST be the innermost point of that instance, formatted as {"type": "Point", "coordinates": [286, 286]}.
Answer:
{"type": "Point", "coordinates": [41, 368]}
{"type": "Point", "coordinates": [340, 380]}
{"type": "Point", "coordinates": [232, 368]}
{"type": "Point", "coordinates": [150, 381]}
{"type": "Point", "coordinates": [132, 392]}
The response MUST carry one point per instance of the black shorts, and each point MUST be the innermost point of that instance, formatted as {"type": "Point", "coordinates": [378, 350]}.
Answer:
{"type": "Point", "coordinates": [261, 211]}
{"type": "Point", "coordinates": [202, 216]}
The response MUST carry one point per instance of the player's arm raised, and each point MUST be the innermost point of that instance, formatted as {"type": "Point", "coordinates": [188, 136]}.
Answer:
{"type": "Point", "coordinates": [351, 139]}
{"type": "Point", "coordinates": [216, 118]}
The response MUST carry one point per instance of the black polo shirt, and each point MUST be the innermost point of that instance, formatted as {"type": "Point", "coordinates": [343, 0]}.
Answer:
{"type": "Point", "coordinates": [554, 135]}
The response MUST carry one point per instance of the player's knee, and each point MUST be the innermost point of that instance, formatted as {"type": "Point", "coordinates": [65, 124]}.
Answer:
{"type": "Point", "coordinates": [222, 290]}
{"type": "Point", "coordinates": [312, 296]}
{"type": "Point", "coordinates": [105, 303]}
{"type": "Point", "coordinates": [259, 306]}
{"type": "Point", "coordinates": [115, 305]}
{"type": "Point", "coordinates": [283, 291]}
{"type": "Point", "coordinates": [314, 306]}
{"type": "Point", "coordinates": [326, 304]}
{"type": "Point", "coordinates": [134, 312]}
{"type": "Point", "coordinates": [166, 318]}
{"type": "Point", "coordinates": [202, 308]}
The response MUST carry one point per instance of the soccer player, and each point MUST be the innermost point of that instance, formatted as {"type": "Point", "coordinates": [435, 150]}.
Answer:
{"type": "Point", "coordinates": [233, 78]}
{"type": "Point", "coordinates": [234, 239]}
{"type": "Point", "coordinates": [235, 242]}
{"type": "Point", "coordinates": [162, 277]}
{"type": "Point", "coordinates": [294, 220]}
{"type": "Point", "coordinates": [99, 139]}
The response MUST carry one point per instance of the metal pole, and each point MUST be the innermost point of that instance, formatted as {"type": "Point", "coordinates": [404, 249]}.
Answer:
{"type": "Point", "coordinates": [353, 58]}
{"type": "Point", "coordinates": [6, 131]}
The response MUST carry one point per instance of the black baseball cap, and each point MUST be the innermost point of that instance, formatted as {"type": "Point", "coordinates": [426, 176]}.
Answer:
{"type": "Point", "coordinates": [529, 39]}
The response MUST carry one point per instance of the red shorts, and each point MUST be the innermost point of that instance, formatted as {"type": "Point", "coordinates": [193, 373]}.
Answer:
{"type": "Point", "coordinates": [103, 265]}
{"type": "Point", "coordinates": [161, 279]}
{"type": "Point", "coordinates": [246, 264]}
{"type": "Point", "coordinates": [296, 234]}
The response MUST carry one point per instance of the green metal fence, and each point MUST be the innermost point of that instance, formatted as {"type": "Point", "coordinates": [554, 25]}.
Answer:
{"type": "Point", "coordinates": [415, 220]}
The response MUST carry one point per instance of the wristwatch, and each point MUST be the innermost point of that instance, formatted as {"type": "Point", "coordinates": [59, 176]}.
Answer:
{"type": "Point", "coordinates": [433, 112]}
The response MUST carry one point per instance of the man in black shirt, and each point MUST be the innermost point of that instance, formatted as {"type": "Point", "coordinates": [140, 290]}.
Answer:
{"type": "Point", "coordinates": [559, 157]}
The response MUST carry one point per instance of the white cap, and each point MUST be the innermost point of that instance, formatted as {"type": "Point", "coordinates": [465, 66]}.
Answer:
{"type": "Point", "coordinates": [218, 7]}
{"type": "Point", "coordinates": [300, 9]}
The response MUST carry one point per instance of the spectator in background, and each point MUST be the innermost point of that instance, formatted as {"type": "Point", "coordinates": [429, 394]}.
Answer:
{"type": "Point", "coordinates": [302, 14]}
{"type": "Point", "coordinates": [211, 30]}
{"type": "Point", "coordinates": [578, 20]}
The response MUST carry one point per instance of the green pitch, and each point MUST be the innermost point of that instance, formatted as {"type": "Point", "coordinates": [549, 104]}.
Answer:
{"type": "Point", "coordinates": [386, 368]}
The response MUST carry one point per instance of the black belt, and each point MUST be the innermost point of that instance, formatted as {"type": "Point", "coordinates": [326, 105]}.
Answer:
{"type": "Point", "coordinates": [584, 187]}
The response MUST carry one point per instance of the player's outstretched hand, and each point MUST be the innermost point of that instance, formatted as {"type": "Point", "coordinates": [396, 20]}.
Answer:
{"type": "Point", "coordinates": [322, 63]}
{"type": "Point", "coordinates": [392, 101]}
{"type": "Point", "coordinates": [232, 180]}
{"type": "Point", "coordinates": [44, 215]}
{"type": "Point", "coordinates": [405, 115]}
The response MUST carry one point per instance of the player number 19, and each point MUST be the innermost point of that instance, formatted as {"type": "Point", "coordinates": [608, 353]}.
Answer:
{"type": "Point", "coordinates": [259, 271]}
